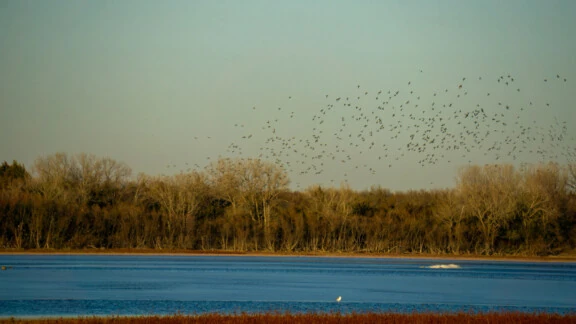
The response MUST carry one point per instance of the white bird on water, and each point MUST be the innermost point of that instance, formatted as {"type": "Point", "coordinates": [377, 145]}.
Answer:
{"type": "Point", "coordinates": [339, 298]}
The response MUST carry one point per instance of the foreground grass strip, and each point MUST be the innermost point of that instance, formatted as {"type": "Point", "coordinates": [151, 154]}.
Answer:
{"type": "Point", "coordinates": [279, 318]}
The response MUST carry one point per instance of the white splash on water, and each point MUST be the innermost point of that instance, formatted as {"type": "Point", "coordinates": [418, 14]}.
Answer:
{"type": "Point", "coordinates": [442, 266]}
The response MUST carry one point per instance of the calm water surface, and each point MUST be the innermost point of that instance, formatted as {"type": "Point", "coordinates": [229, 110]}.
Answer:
{"type": "Point", "coordinates": [72, 285]}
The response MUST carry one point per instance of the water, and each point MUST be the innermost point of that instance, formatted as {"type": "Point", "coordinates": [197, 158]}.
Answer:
{"type": "Point", "coordinates": [86, 285]}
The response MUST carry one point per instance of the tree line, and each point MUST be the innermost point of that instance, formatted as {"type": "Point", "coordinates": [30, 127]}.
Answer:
{"type": "Point", "coordinates": [84, 201]}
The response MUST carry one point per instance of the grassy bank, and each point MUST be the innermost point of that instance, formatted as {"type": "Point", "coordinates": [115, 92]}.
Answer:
{"type": "Point", "coordinates": [273, 318]}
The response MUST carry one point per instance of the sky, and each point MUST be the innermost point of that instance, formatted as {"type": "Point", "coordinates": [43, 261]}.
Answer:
{"type": "Point", "coordinates": [397, 94]}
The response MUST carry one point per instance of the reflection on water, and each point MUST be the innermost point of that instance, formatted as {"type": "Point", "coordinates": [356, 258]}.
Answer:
{"type": "Point", "coordinates": [71, 285]}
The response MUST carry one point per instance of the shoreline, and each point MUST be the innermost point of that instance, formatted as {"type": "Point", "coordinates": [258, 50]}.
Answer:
{"type": "Point", "coordinates": [177, 252]}
{"type": "Point", "coordinates": [271, 317]}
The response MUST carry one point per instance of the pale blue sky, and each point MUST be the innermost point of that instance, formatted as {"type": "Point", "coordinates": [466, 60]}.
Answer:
{"type": "Point", "coordinates": [158, 83]}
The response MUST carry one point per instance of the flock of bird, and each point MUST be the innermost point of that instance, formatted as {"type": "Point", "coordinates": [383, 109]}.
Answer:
{"type": "Point", "coordinates": [373, 129]}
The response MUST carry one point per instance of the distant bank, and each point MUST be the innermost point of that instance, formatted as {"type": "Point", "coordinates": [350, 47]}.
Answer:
{"type": "Point", "coordinates": [560, 258]}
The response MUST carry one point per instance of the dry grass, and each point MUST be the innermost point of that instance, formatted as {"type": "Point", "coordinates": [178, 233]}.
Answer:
{"type": "Point", "coordinates": [278, 318]}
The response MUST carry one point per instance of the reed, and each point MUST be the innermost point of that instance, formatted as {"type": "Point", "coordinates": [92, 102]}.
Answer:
{"type": "Point", "coordinates": [312, 318]}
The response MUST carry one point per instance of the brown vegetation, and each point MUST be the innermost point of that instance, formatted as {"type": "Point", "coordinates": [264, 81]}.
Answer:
{"type": "Point", "coordinates": [244, 205]}
{"type": "Point", "coordinates": [272, 318]}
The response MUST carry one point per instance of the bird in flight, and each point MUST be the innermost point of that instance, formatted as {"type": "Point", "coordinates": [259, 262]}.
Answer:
{"type": "Point", "coordinates": [339, 298]}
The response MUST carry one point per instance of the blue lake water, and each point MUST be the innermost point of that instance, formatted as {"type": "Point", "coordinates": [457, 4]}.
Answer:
{"type": "Point", "coordinates": [73, 285]}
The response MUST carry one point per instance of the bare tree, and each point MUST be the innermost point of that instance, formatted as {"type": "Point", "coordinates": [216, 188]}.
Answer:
{"type": "Point", "coordinates": [543, 190]}
{"type": "Point", "coordinates": [252, 184]}
{"type": "Point", "coordinates": [450, 214]}
{"type": "Point", "coordinates": [85, 173]}
{"type": "Point", "coordinates": [88, 175]}
{"type": "Point", "coordinates": [179, 197]}
{"type": "Point", "coordinates": [572, 174]}
{"type": "Point", "coordinates": [54, 173]}
{"type": "Point", "coordinates": [223, 177]}
{"type": "Point", "coordinates": [570, 155]}
{"type": "Point", "coordinates": [331, 211]}
{"type": "Point", "coordinates": [488, 194]}
{"type": "Point", "coordinates": [112, 171]}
